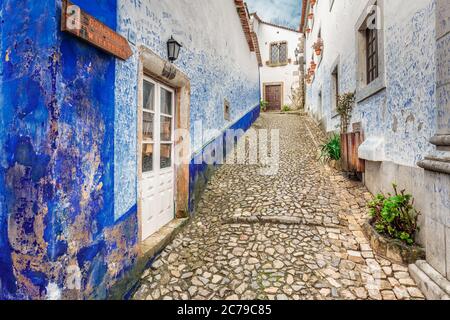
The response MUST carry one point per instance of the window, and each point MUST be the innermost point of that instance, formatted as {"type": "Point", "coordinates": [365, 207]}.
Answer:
{"type": "Point", "coordinates": [370, 51]}
{"type": "Point", "coordinates": [372, 54]}
{"type": "Point", "coordinates": [157, 126]}
{"type": "Point", "coordinates": [278, 53]}
{"type": "Point", "coordinates": [335, 89]}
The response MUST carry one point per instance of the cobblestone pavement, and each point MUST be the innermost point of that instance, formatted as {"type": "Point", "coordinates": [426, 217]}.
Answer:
{"type": "Point", "coordinates": [293, 235]}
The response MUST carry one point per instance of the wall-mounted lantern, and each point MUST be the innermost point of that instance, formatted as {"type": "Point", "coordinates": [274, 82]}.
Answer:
{"type": "Point", "coordinates": [173, 49]}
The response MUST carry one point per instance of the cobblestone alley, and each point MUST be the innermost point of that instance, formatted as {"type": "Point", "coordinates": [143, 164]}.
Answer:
{"type": "Point", "coordinates": [294, 235]}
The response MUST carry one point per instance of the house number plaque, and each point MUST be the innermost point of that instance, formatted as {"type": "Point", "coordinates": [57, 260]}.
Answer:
{"type": "Point", "coordinates": [84, 26]}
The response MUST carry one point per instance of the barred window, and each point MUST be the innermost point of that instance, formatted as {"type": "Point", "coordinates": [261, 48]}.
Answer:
{"type": "Point", "coordinates": [278, 53]}
{"type": "Point", "coordinates": [274, 53]}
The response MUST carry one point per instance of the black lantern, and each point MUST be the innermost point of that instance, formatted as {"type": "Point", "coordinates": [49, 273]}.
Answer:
{"type": "Point", "coordinates": [173, 49]}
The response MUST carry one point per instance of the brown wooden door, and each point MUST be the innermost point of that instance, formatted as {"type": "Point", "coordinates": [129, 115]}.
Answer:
{"type": "Point", "coordinates": [273, 97]}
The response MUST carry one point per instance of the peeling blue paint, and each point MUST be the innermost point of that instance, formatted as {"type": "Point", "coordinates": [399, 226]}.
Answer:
{"type": "Point", "coordinates": [56, 164]}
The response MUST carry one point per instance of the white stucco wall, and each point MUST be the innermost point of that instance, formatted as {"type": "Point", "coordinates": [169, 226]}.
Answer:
{"type": "Point", "coordinates": [215, 57]}
{"type": "Point", "coordinates": [266, 35]}
{"type": "Point", "coordinates": [403, 113]}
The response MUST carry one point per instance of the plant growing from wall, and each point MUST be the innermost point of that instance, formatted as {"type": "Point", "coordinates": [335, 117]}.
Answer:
{"type": "Point", "coordinates": [264, 104]}
{"type": "Point", "coordinates": [344, 108]}
{"type": "Point", "coordinates": [286, 108]}
{"type": "Point", "coordinates": [331, 150]}
{"type": "Point", "coordinates": [395, 215]}
{"type": "Point", "coordinates": [297, 97]}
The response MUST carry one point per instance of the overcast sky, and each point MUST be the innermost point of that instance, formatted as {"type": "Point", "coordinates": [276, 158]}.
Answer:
{"type": "Point", "coordinates": [283, 12]}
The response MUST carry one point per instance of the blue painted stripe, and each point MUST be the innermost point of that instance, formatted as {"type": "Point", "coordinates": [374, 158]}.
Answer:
{"type": "Point", "coordinates": [198, 178]}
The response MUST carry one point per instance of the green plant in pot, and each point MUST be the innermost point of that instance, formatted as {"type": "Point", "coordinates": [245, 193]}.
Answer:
{"type": "Point", "coordinates": [264, 104]}
{"type": "Point", "coordinates": [286, 108]}
{"type": "Point", "coordinates": [394, 215]}
{"type": "Point", "coordinates": [331, 150]}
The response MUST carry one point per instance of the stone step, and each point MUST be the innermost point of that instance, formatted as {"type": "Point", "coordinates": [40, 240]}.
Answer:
{"type": "Point", "coordinates": [432, 284]}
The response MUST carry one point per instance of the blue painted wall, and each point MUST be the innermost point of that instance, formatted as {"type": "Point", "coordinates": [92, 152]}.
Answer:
{"type": "Point", "coordinates": [56, 166]}
{"type": "Point", "coordinates": [200, 171]}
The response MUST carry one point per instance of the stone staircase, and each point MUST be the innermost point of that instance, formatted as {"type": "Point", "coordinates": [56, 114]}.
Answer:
{"type": "Point", "coordinates": [432, 284]}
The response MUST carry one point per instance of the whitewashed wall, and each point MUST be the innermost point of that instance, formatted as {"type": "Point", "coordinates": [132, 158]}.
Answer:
{"type": "Point", "coordinates": [403, 114]}
{"type": "Point", "coordinates": [266, 35]}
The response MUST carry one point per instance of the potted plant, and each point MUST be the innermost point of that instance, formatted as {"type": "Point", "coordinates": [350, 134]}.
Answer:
{"type": "Point", "coordinates": [393, 227]}
{"type": "Point", "coordinates": [313, 3]}
{"type": "Point", "coordinates": [311, 16]}
{"type": "Point", "coordinates": [331, 151]}
{"type": "Point", "coordinates": [308, 30]}
{"type": "Point", "coordinates": [264, 105]}
{"type": "Point", "coordinates": [318, 46]}
{"type": "Point", "coordinates": [313, 65]}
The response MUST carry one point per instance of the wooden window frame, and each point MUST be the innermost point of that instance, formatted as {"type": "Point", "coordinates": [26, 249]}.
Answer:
{"type": "Point", "coordinates": [372, 53]}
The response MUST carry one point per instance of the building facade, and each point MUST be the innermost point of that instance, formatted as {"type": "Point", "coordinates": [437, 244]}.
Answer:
{"type": "Point", "coordinates": [394, 56]}
{"type": "Point", "coordinates": [279, 74]}
{"type": "Point", "coordinates": [90, 155]}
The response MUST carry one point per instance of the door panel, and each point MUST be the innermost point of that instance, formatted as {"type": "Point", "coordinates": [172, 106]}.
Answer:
{"type": "Point", "coordinates": [273, 97]}
{"type": "Point", "coordinates": [157, 182]}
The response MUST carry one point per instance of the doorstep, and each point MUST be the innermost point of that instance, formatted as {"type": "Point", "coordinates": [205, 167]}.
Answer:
{"type": "Point", "coordinates": [149, 249]}
{"type": "Point", "coordinates": [159, 240]}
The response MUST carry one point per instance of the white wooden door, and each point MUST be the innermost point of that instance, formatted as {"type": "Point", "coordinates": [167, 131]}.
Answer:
{"type": "Point", "coordinates": [157, 183]}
